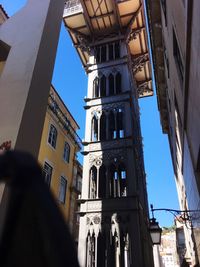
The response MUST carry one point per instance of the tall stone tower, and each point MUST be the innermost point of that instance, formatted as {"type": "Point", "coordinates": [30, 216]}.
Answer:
{"type": "Point", "coordinates": [110, 38]}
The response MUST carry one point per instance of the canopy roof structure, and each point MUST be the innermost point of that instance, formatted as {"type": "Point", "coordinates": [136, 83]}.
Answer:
{"type": "Point", "coordinates": [90, 21]}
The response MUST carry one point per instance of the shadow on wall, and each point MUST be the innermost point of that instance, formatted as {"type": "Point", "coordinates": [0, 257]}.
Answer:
{"type": "Point", "coordinates": [32, 230]}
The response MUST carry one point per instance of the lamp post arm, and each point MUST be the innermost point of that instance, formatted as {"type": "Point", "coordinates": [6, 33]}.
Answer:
{"type": "Point", "coordinates": [184, 215]}
{"type": "Point", "coordinates": [173, 210]}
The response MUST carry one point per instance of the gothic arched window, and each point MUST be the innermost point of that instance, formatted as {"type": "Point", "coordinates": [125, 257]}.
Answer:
{"type": "Point", "coordinates": [103, 53]}
{"type": "Point", "coordinates": [91, 250]}
{"type": "Point", "coordinates": [117, 50]}
{"type": "Point", "coordinates": [118, 83]}
{"type": "Point", "coordinates": [111, 84]}
{"type": "Point", "coordinates": [93, 183]}
{"type": "Point", "coordinates": [103, 127]}
{"type": "Point", "coordinates": [96, 87]}
{"type": "Point", "coordinates": [123, 183]}
{"type": "Point", "coordinates": [120, 127]}
{"type": "Point", "coordinates": [98, 54]}
{"type": "Point", "coordinates": [94, 136]}
{"type": "Point", "coordinates": [103, 86]}
{"type": "Point", "coordinates": [112, 130]}
{"type": "Point", "coordinates": [102, 182]}
{"type": "Point", "coordinates": [112, 178]}
{"type": "Point", "coordinates": [110, 51]}
{"type": "Point", "coordinates": [102, 249]}
{"type": "Point", "coordinates": [117, 181]}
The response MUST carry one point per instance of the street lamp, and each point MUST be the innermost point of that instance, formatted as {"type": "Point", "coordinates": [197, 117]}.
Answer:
{"type": "Point", "coordinates": [155, 232]}
{"type": "Point", "coordinates": [154, 229]}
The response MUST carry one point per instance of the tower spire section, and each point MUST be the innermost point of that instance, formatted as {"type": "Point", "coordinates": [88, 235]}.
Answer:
{"type": "Point", "coordinates": [110, 38]}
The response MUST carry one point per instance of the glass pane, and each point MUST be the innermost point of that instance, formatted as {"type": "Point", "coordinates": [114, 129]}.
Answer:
{"type": "Point", "coordinates": [62, 190]}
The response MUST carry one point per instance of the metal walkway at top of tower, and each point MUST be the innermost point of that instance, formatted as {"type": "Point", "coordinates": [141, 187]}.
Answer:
{"type": "Point", "coordinates": [89, 22]}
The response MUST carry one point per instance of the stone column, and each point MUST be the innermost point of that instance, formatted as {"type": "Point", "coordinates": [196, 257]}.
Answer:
{"type": "Point", "coordinates": [32, 35]}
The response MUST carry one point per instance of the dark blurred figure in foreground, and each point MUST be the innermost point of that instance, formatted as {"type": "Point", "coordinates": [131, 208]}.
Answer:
{"type": "Point", "coordinates": [32, 229]}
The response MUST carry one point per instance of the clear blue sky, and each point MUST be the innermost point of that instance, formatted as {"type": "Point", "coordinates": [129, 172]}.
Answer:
{"type": "Point", "coordinates": [70, 81]}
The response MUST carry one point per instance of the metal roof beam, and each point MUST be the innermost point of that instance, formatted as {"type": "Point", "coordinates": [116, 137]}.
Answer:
{"type": "Point", "coordinates": [139, 55]}
{"type": "Point", "coordinates": [143, 83]}
{"type": "Point", "coordinates": [102, 15]}
{"type": "Point", "coordinates": [76, 32]}
{"type": "Point", "coordinates": [132, 20]}
{"type": "Point", "coordinates": [134, 32]}
{"type": "Point", "coordinates": [87, 17]}
{"type": "Point", "coordinates": [116, 13]}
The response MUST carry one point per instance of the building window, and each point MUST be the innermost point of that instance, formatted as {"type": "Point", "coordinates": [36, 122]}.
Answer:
{"type": "Point", "coordinates": [117, 50]}
{"type": "Point", "coordinates": [66, 152]}
{"type": "Point", "coordinates": [118, 81]}
{"type": "Point", "coordinates": [111, 84]}
{"type": "Point", "coordinates": [96, 87]}
{"type": "Point", "coordinates": [112, 130]}
{"type": "Point", "coordinates": [110, 52]}
{"type": "Point", "coordinates": [47, 173]}
{"type": "Point", "coordinates": [79, 183]}
{"type": "Point", "coordinates": [114, 82]}
{"type": "Point", "coordinates": [177, 57]}
{"type": "Point", "coordinates": [120, 128]}
{"type": "Point", "coordinates": [103, 86]}
{"type": "Point", "coordinates": [94, 133]}
{"type": "Point", "coordinates": [52, 136]}
{"type": "Point", "coordinates": [103, 126]}
{"type": "Point", "coordinates": [103, 53]}
{"type": "Point", "coordinates": [62, 190]}
{"type": "Point", "coordinates": [117, 181]}
{"type": "Point", "coordinates": [102, 182]}
{"type": "Point", "coordinates": [116, 127]}
{"type": "Point", "coordinates": [107, 52]}
{"type": "Point", "coordinates": [93, 183]}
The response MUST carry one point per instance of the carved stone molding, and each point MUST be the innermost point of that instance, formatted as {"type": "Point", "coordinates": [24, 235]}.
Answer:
{"type": "Point", "coordinates": [107, 157]}
{"type": "Point", "coordinates": [107, 219]}
{"type": "Point", "coordinates": [106, 108]}
{"type": "Point", "coordinates": [139, 62]}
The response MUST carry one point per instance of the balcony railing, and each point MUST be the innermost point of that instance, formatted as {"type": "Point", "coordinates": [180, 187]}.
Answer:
{"type": "Point", "coordinates": [72, 7]}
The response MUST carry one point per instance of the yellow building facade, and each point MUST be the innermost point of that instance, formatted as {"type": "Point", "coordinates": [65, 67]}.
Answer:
{"type": "Point", "coordinates": [58, 150]}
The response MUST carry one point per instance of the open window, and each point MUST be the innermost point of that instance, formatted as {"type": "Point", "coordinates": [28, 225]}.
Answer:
{"type": "Point", "coordinates": [52, 138]}
{"type": "Point", "coordinates": [111, 84]}
{"type": "Point", "coordinates": [94, 136]}
{"type": "Point", "coordinates": [117, 50]}
{"type": "Point", "coordinates": [103, 127]}
{"type": "Point", "coordinates": [112, 130]}
{"type": "Point", "coordinates": [93, 183]}
{"type": "Point", "coordinates": [118, 83]}
{"type": "Point", "coordinates": [96, 87]}
{"type": "Point", "coordinates": [123, 178]}
{"type": "Point", "coordinates": [102, 182]}
{"type": "Point", "coordinates": [103, 86]}
{"type": "Point", "coordinates": [120, 127]}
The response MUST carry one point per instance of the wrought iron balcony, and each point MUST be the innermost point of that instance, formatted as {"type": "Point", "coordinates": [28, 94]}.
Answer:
{"type": "Point", "coordinates": [72, 7]}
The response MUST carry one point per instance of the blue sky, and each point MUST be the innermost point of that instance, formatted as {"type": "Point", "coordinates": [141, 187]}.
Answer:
{"type": "Point", "coordinates": [70, 81]}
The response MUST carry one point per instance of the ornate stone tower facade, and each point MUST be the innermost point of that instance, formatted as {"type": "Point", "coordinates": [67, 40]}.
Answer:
{"type": "Point", "coordinates": [111, 41]}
